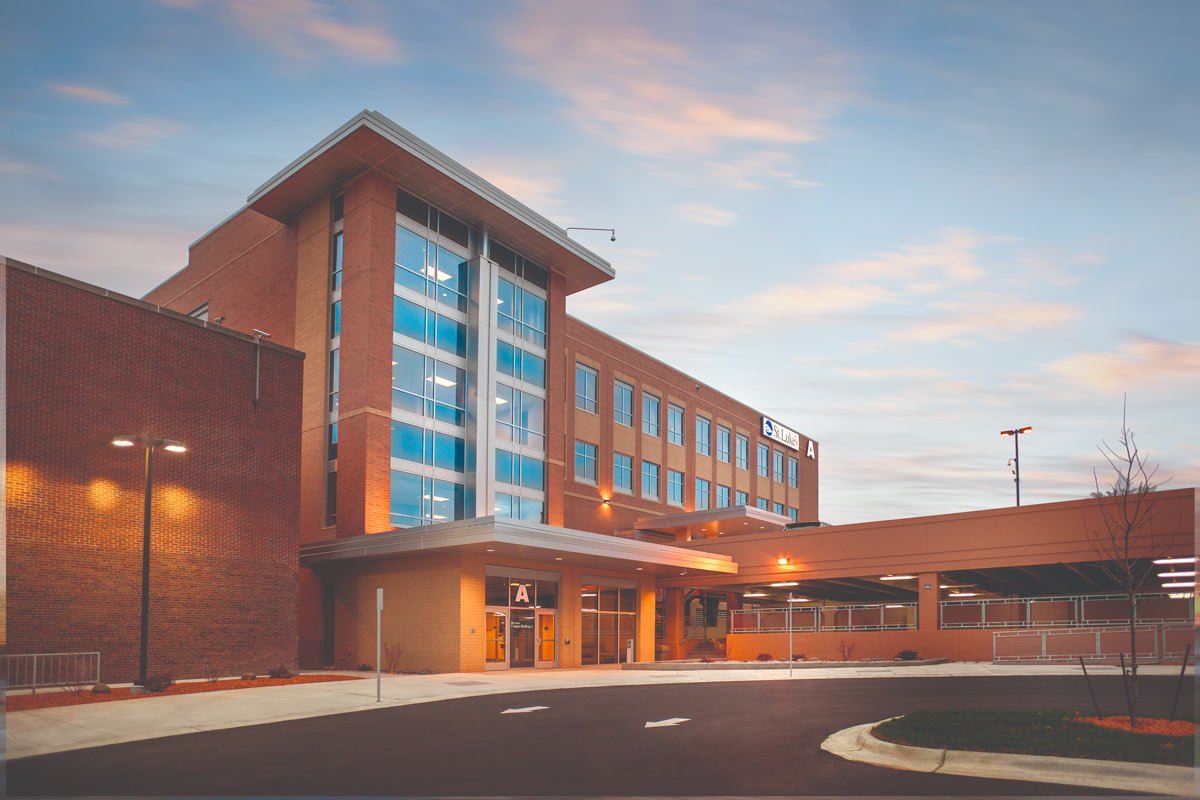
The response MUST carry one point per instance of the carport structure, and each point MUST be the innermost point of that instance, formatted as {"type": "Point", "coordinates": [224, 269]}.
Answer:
{"type": "Point", "coordinates": [994, 584]}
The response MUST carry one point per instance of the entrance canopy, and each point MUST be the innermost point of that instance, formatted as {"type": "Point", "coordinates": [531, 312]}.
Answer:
{"type": "Point", "coordinates": [530, 541]}
{"type": "Point", "coordinates": [710, 524]}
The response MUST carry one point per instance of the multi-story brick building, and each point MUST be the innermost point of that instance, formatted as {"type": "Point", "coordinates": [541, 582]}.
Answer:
{"type": "Point", "coordinates": [85, 366]}
{"type": "Point", "coordinates": [487, 460]}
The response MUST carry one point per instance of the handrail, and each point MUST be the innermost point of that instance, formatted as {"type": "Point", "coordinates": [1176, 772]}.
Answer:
{"type": "Point", "coordinates": [1073, 611]}
{"type": "Point", "coordinates": [44, 670]}
{"type": "Point", "coordinates": [858, 617]}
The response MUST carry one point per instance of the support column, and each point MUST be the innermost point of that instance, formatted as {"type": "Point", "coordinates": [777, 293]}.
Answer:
{"type": "Point", "coordinates": [927, 601]}
{"type": "Point", "coordinates": [673, 623]}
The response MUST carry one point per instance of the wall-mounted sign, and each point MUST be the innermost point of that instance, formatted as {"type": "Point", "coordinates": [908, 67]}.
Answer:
{"type": "Point", "coordinates": [812, 451]}
{"type": "Point", "coordinates": [773, 430]}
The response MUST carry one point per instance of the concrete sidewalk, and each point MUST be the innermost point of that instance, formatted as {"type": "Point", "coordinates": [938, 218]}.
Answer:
{"type": "Point", "coordinates": [53, 730]}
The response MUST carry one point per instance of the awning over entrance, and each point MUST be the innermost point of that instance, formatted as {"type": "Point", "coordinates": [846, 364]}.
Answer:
{"type": "Point", "coordinates": [731, 521]}
{"type": "Point", "coordinates": [530, 541]}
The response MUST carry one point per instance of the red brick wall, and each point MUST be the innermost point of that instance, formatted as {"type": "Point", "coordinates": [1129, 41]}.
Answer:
{"type": "Point", "coordinates": [83, 368]}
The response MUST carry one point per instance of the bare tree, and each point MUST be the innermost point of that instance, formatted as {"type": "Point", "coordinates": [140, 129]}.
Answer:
{"type": "Point", "coordinates": [1128, 511]}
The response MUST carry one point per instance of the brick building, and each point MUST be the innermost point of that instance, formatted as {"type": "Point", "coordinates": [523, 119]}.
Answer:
{"type": "Point", "coordinates": [85, 365]}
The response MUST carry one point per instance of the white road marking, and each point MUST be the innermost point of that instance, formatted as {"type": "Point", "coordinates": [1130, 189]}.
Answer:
{"type": "Point", "coordinates": [525, 710]}
{"type": "Point", "coordinates": [662, 723]}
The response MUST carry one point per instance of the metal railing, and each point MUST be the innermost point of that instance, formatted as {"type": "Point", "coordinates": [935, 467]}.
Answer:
{"type": "Point", "coordinates": [1103, 643]}
{"type": "Point", "coordinates": [1066, 611]}
{"type": "Point", "coordinates": [44, 670]}
{"type": "Point", "coordinates": [811, 619]}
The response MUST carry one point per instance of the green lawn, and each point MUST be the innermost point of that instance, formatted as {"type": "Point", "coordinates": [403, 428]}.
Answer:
{"type": "Point", "coordinates": [1044, 733]}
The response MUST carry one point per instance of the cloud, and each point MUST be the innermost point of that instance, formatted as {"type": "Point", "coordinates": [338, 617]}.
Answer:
{"type": "Point", "coordinates": [301, 30]}
{"type": "Point", "coordinates": [134, 133]}
{"type": "Point", "coordinates": [756, 170]}
{"type": "Point", "coordinates": [90, 94]}
{"type": "Point", "coordinates": [22, 168]}
{"type": "Point", "coordinates": [1136, 363]}
{"type": "Point", "coordinates": [535, 183]}
{"type": "Point", "coordinates": [705, 214]}
{"type": "Point", "coordinates": [987, 316]}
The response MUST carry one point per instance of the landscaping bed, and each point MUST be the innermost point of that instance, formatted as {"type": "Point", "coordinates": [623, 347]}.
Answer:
{"type": "Point", "coordinates": [697, 664]}
{"type": "Point", "coordinates": [52, 698]}
{"type": "Point", "coordinates": [1044, 733]}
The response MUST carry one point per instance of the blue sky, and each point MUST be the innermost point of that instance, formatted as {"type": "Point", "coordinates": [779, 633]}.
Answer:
{"type": "Point", "coordinates": [897, 227]}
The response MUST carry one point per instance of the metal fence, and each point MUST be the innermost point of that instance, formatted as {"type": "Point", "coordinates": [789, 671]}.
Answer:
{"type": "Point", "coordinates": [1096, 644]}
{"type": "Point", "coordinates": [811, 619]}
{"type": "Point", "coordinates": [44, 670]}
{"type": "Point", "coordinates": [1068, 611]}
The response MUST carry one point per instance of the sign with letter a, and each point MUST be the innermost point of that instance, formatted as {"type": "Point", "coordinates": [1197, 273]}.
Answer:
{"type": "Point", "coordinates": [522, 594]}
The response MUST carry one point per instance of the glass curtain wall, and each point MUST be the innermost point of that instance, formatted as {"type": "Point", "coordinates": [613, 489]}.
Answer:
{"type": "Point", "coordinates": [609, 621]}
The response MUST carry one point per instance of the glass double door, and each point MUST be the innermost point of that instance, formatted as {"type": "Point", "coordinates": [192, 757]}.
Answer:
{"type": "Point", "coordinates": [520, 637]}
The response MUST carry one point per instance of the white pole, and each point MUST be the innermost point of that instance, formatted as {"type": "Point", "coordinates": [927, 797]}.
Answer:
{"type": "Point", "coordinates": [790, 606]}
{"type": "Point", "coordinates": [379, 645]}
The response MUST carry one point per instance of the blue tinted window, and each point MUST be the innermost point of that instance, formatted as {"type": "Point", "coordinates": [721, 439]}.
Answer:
{"type": "Point", "coordinates": [448, 452]}
{"type": "Point", "coordinates": [623, 472]}
{"type": "Point", "coordinates": [777, 508]}
{"type": "Point", "coordinates": [622, 403]}
{"type": "Point", "coordinates": [504, 466]}
{"type": "Point", "coordinates": [741, 499]}
{"type": "Point", "coordinates": [762, 503]}
{"type": "Point", "coordinates": [650, 414]}
{"type": "Point", "coordinates": [674, 424]}
{"type": "Point", "coordinates": [408, 319]}
{"type": "Point", "coordinates": [407, 442]}
{"type": "Point", "coordinates": [335, 320]}
{"type": "Point", "coordinates": [504, 506]}
{"type": "Point", "coordinates": [532, 473]}
{"type": "Point", "coordinates": [585, 462]}
{"type": "Point", "coordinates": [405, 499]}
{"type": "Point", "coordinates": [743, 452]}
{"type": "Point", "coordinates": [649, 480]}
{"type": "Point", "coordinates": [451, 336]}
{"type": "Point", "coordinates": [701, 494]}
{"type": "Point", "coordinates": [703, 436]}
{"type": "Point", "coordinates": [506, 358]}
{"type": "Point", "coordinates": [764, 453]}
{"type": "Point", "coordinates": [585, 388]}
{"type": "Point", "coordinates": [722, 496]}
{"type": "Point", "coordinates": [533, 369]}
{"type": "Point", "coordinates": [675, 487]}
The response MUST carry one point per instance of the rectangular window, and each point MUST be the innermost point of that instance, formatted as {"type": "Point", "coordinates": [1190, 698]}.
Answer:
{"type": "Point", "coordinates": [722, 444]}
{"type": "Point", "coordinates": [761, 463]}
{"type": "Point", "coordinates": [743, 452]}
{"type": "Point", "coordinates": [622, 403]}
{"type": "Point", "coordinates": [334, 378]}
{"type": "Point", "coordinates": [520, 417]}
{"type": "Point", "coordinates": [520, 364]}
{"type": "Point", "coordinates": [333, 437]}
{"type": "Point", "coordinates": [421, 446]}
{"type": "Point", "coordinates": [517, 507]}
{"type": "Point", "coordinates": [423, 385]}
{"type": "Point", "coordinates": [585, 462]}
{"type": "Point", "coordinates": [623, 473]}
{"type": "Point", "coordinates": [703, 436]}
{"type": "Point", "coordinates": [649, 480]}
{"type": "Point", "coordinates": [741, 499]}
{"type": "Point", "coordinates": [586, 379]}
{"type": "Point", "coordinates": [520, 470]}
{"type": "Point", "coordinates": [674, 487]}
{"type": "Point", "coordinates": [425, 325]}
{"type": "Point", "coordinates": [674, 424]}
{"type": "Point", "coordinates": [200, 312]}
{"type": "Point", "coordinates": [722, 496]}
{"type": "Point", "coordinates": [650, 414]}
{"type": "Point", "coordinates": [518, 265]}
{"type": "Point", "coordinates": [335, 319]}
{"type": "Point", "coordinates": [777, 508]}
{"type": "Point", "coordinates": [762, 503]}
{"type": "Point", "coordinates": [793, 472]}
{"type": "Point", "coordinates": [794, 514]}
{"type": "Point", "coordinates": [701, 494]}
{"type": "Point", "coordinates": [417, 500]}
{"type": "Point", "coordinates": [429, 269]}
{"type": "Point", "coordinates": [330, 498]}
{"type": "Point", "coordinates": [521, 312]}
{"type": "Point", "coordinates": [778, 466]}
{"type": "Point", "coordinates": [335, 282]}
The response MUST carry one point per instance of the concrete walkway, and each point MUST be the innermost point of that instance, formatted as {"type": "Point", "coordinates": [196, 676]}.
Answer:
{"type": "Point", "coordinates": [53, 730]}
{"type": "Point", "coordinates": [859, 744]}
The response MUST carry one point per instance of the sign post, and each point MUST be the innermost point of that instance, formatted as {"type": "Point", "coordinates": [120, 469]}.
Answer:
{"type": "Point", "coordinates": [790, 606]}
{"type": "Point", "coordinates": [379, 645]}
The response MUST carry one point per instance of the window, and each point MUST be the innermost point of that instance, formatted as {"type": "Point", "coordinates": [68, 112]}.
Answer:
{"type": "Point", "coordinates": [741, 499]}
{"type": "Point", "coordinates": [334, 378]}
{"type": "Point", "coordinates": [701, 494]}
{"type": "Point", "coordinates": [521, 312]}
{"type": "Point", "coordinates": [649, 480]}
{"type": "Point", "coordinates": [330, 498]}
{"type": "Point", "coordinates": [723, 444]}
{"type": "Point", "coordinates": [793, 472]}
{"type": "Point", "coordinates": [335, 282]}
{"type": "Point", "coordinates": [422, 325]}
{"type": "Point", "coordinates": [335, 319]}
{"type": "Point", "coordinates": [585, 462]}
{"type": "Point", "coordinates": [423, 385]}
{"type": "Point", "coordinates": [743, 452]}
{"type": "Point", "coordinates": [417, 500]}
{"type": "Point", "coordinates": [585, 388]}
{"type": "Point", "coordinates": [520, 417]}
{"type": "Point", "coordinates": [778, 465]}
{"type": "Point", "coordinates": [518, 265]}
{"type": "Point", "coordinates": [674, 487]}
{"type": "Point", "coordinates": [703, 436]}
{"type": "Point", "coordinates": [777, 508]}
{"type": "Point", "coordinates": [650, 413]}
{"type": "Point", "coordinates": [421, 212]}
{"type": "Point", "coordinates": [520, 470]}
{"type": "Point", "coordinates": [421, 446]}
{"type": "Point", "coordinates": [623, 473]}
{"type": "Point", "coordinates": [430, 270]}
{"type": "Point", "coordinates": [674, 424]}
{"type": "Point", "coordinates": [200, 312]}
{"type": "Point", "coordinates": [762, 503]}
{"type": "Point", "coordinates": [794, 514]}
{"type": "Point", "coordinates": [520, 364]}
{"type": "Point", "coordinates": [516, 507]}
{"type": "Point", "coordinates": [622, 403]}
{"type": "Point", "coordinates": [764, 453]}
{"type": "Point", "coordinates": [331, 450]}
{"type": "Point", "coordinates": [722, 496]}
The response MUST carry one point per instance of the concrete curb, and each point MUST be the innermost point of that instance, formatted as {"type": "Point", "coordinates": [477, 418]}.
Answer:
{"type": "Point", "coordinates": [858, 744]}
{"type": "Point", "coordinates": [676, 666]}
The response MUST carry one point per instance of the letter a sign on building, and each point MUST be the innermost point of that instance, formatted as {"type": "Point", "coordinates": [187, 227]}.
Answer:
{"type": "Point", "coordinates": [522, 595]}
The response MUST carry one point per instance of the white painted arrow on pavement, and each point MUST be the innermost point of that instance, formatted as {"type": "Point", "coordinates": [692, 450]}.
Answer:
{"type": "Point", "coordinates": [525, 710]}
{"type": "Point", "coordinates": [662, 723]}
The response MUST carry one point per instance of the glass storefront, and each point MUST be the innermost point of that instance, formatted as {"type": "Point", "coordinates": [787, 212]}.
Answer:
{"type": "Point", "coordinates": [609, 621]}
{"type": "Point", "coordinates": [520, 622]}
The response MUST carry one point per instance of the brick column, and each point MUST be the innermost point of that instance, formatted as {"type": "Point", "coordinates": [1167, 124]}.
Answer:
{"type": "Point", "coordinates": [673, 623]}
{"type": "Point", "coordinates": [927, 601]}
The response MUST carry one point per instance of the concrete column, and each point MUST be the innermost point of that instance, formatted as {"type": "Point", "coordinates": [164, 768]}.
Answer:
{"type": "Point", "coordinates": [673, 623]}
{"type": "Point", "coordinates": [481, 387]}
{"type": "Point", "coordinates": [927, 601]}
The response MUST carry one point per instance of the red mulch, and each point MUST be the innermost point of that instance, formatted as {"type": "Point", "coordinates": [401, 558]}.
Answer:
{"type": "Point", "coordinates": [1160, 727]}
{"type": "Point", "coordinates": [53, 698]}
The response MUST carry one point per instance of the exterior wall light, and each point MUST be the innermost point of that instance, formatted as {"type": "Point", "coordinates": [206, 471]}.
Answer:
{"type": "Point", "coordinates": [783, 584]}
{"type": "Point", "coordinates": [1190, 560]}
{"type": "Point", "coordinates": [897, 577]}
{"type": "Point", "coordinates": [783, 562]}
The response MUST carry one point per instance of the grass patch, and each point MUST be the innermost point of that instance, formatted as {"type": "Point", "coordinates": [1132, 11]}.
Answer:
{"type": "Point", "coordinates": [1043, 733]}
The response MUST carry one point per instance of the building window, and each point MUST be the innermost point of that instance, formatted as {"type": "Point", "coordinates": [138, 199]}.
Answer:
{"type": "Point", "coordinates": [519, 470]}
{"type": "Point", "coordinates": [764, 455]}
{"type": "Point", "coordinates": [520, 364]}
{"type": "Point", "coordinates": [778, 466]}
{"type": "Point", "coordinates": [335, 319]}
{"type": "Point", "coordinates": [722, 444]}
{"type": "Point", "coordinates": [674, 424]}
{"type": "Point", "coordinates": [517, 507]}
{"type": "Point", "coordinates": [701, 494]}
{"type": "Point", "coordinates": [586, 379]}
{"type": "Point", "coordinates": [674, 487]}
{"type": "Point", "coordinates": [432, 448]}
{"type": "Point", "coordinates": [331, 453]}
{"type": "Point", "coordinates": [425, 325]}
{"type": "Point", "coordinates": [793, 472]}
{"type": "Point", "coordinates": [743, 452]}
{"type": "Point", "coordinates": [703, 436]}
{"type": "Point", "coordinates": [418, 500]}
{"type": "Point", "coordinates": [423, 385]}
{"type": "Point", "coordinates": [334, 378]}
{"type": "Point", "coordinates": [518, 265]}
{"type": "Point", "coordinates": [622, 403]}
{"type": "Point", "coordinates": [521, 312]}
{"type": "Point", "coordinates": [649, 480]}
{"type": "Point", "coordinates": [520, 417]}
{"type": "Point", "coordinates": [623, 473]}
{"type": "Point", "coordinates": [777, 508]}
{"type": "Point", "coordinates": [741, 499]}
{"type": "Point", "coordinates": [722, 496]}
{"type": "Point", "coordinates": [794, 514]}
{"type": "Point", "coordinates": [426, 215]}
{"type": "Point", "coordinates": [335, 282]}
{"type": "Point", "coordinates": [650, 413]}
{"type": "Point", "coordinates": [200, 312]}
{"type": "Point", "coordinates": [430, 270]}
{"type": "Point", "coordinates": [762, 503]}
{"type": "Point", "coordinates": [330, 498]}
{"type": "Point", "coordinates": [585, 462]}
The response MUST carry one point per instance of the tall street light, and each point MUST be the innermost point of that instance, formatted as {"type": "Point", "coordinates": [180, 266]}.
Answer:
{"type": "Point", "coordinates": [1016, 434]}
{"type": "Point", "coordinates": [151, 443]}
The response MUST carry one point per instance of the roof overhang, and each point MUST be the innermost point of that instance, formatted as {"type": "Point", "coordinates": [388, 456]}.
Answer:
{"type": "Point", "coordinates": [371, 141]}
{"type": "Point", "coordinates": [529, 541]}
{"type": "Point", "coordinates": [730, 521]}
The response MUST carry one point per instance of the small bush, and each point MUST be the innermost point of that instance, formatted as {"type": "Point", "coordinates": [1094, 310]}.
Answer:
{"type": "Point", "coordinates": [158, 683]}
{"type": "Point", "coordinates": [281, 672]}
{"type": "Point", "coordinates": [908, 655]}
{"type": "Point", "coordinates": [364, 667]}
{"type": "Point", "coordinates": [212, 672]}
{"type": "Point", "coordinates": [393, 654]}
{"type": "Point", "coordinates": [765, 657]}
{"type": "Point", "coordinates": [706, 660]}
{"type": "Point", "coordinates": [846, 649]}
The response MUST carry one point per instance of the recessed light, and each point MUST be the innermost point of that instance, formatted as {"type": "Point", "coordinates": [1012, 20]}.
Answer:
{"type": "Point", "coordinates": [1191, 560]}
{"type": "Point", "coordinates": [558, 558]}
{"type": "Point", "coordinates": [491, 549]}
{"type": "Point", "coordinates": [897, 577]}
{"type": "Point", "coordinates": [785, 583]}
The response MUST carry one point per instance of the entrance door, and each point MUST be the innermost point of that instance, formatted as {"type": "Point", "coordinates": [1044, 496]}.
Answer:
{"type": "Point", "coordinates": [521, 638]}
{"type": "Point", "coordinates": [545, 639]}
{"type": "Point", "coordinates": [495, 638]}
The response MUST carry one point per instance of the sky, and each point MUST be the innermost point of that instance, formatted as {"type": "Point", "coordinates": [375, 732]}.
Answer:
{"type": "Point", "coordinates": [898, 228]}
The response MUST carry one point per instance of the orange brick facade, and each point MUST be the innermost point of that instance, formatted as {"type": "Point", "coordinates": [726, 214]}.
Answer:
{"type": "Point", "coordinates": [84, 367]}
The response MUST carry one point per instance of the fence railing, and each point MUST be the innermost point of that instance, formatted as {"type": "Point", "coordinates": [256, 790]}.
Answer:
{"type": "Point", "coordinates": [1067, 611]}
{"type": "Point", "coordinates": [1103, 643]}
{"type": "Point", "coordinates": [44, 670]}
{"type": "Point", "coordinates": [810, 619]}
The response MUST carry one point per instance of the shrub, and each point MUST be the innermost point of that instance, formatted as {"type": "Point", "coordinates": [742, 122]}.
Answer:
{"type": "Point", "coordinates": [908, 655]}
{"type": "Point", "coordinates": [364, 667]}
{"type": "Point", "coordinates": [846, 649]}
{"type": "Point", "coordinates": [392, 654]}
{"type": "Point", "coordinates": [281, 671]}
{"type": "Point", "coordinates": [212, 672]}
{"type": "Point", "coordinates": [765, 657]}
{"type": "Point", "coordinates": [158, 683]}
{"type": "Point", "coordinates": [706, 660]}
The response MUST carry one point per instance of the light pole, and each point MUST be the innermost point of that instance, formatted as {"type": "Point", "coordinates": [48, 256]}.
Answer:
{"type": "Point", "coordinates": [789, 613]}
{"type": "Point", "coordinates": [1016, 434]}
{"type": "Point", "coordinates": [152, 443]}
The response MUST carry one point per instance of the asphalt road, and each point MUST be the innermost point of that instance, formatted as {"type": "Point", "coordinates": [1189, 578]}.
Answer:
{"type": "Point", "coordinates": [760, 738]}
